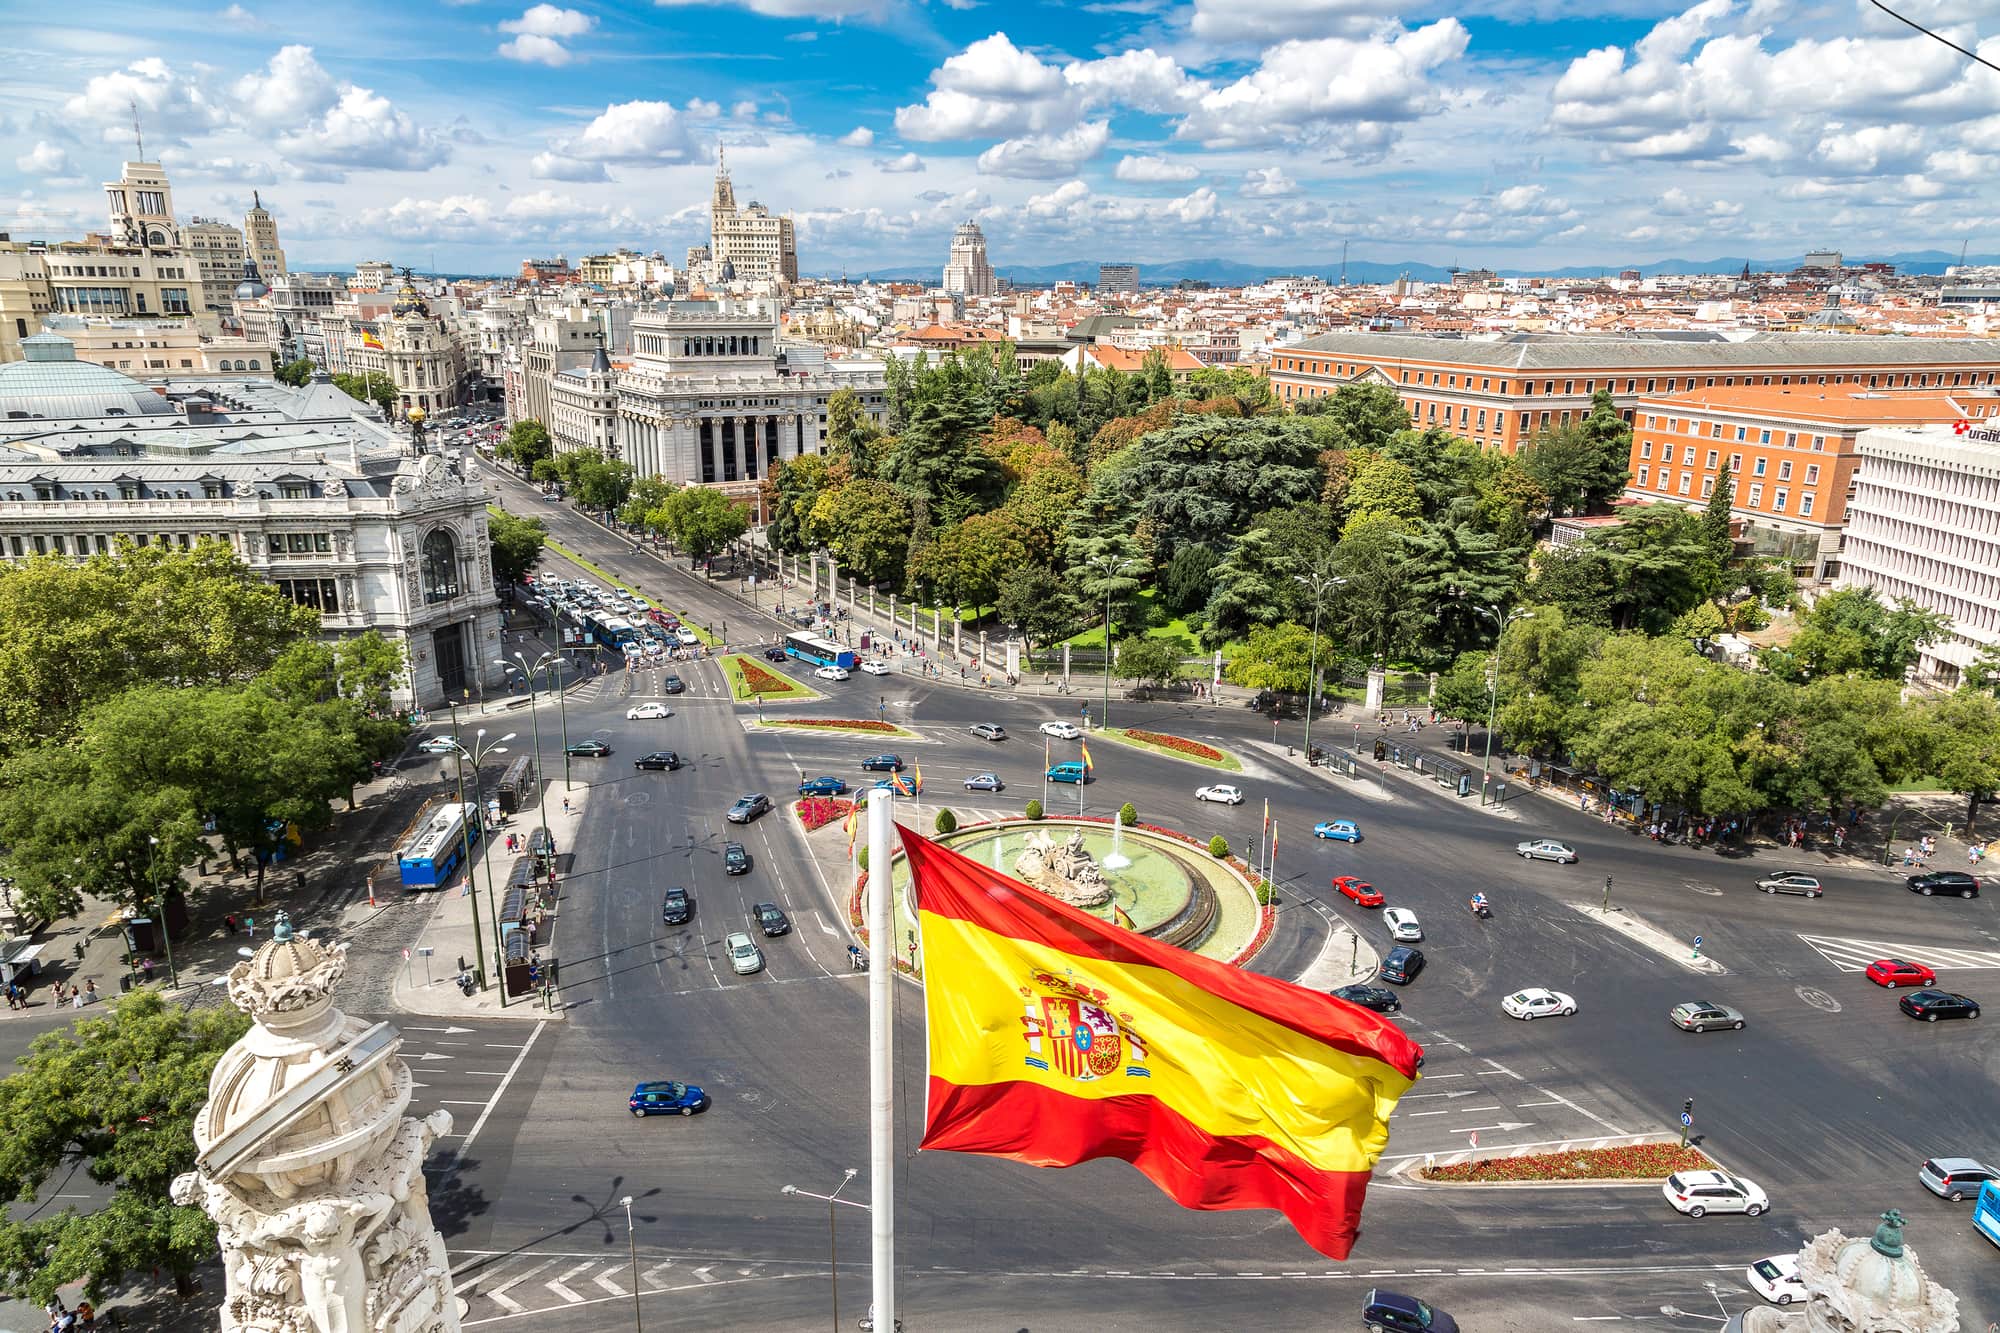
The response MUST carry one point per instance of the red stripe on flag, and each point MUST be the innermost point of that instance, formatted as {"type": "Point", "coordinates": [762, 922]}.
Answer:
{"type": "Point", "coordinates": [1042, 1127]}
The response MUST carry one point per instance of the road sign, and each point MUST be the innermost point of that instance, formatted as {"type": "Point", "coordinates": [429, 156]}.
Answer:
{"type": "Point", "coordinates": [1697, 941]}
{"type": "Point", "coordinates": [1686, 1119]}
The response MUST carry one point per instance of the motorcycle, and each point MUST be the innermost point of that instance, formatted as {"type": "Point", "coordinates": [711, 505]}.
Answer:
{"type": "Point", "coordinates": [1480, 908]}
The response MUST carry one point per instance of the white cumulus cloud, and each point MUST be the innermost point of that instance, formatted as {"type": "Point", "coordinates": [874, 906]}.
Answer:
{"type": "Point", "coordinates": [1268, 183]}
{"type": "Point", "coordinates": [908, 162]}
{"type": "Point", "coordinates": [44, 159]}
{"type": "Point", "coordinates": [1151, 168]}
{"type": "Point", "coordinates": [859, 137]}
{"type": "Point", "coordinates": [1045, 156]}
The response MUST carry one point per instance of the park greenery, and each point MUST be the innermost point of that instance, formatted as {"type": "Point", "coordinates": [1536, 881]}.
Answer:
{"type": "Point", "coordinates": [116, 1095]}
{"type": "Point", "coordinates": [156, 703]}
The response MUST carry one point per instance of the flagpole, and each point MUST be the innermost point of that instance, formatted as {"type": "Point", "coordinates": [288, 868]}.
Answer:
{"type": "Point", "coordinates": [881, 1065]}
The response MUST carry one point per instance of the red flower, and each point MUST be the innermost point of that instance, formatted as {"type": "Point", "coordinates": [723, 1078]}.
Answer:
{"type": "Point", "coordinates": [1636, 1161]}
{"type": "Point", "coordinates": [1176, 743]}
{"type": "Point", "coordinates": [816, 812]}
{"type": "Point", "coordinates": [759, 681]}
{"type": "Point", "coordinates": [847, 724]}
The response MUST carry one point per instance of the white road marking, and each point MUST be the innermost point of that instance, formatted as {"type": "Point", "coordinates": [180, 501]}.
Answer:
{"type": "Point", "coordinates": [498, 1092]}
{"type": "Point", "coordinates": [604, 1280]}
{"type": "Point", "coordinates": [1854, 955]}
{"type": "Point", "coordinates": [499, 1296]}
{"type": "Point", "coordinates": [560, 1286]}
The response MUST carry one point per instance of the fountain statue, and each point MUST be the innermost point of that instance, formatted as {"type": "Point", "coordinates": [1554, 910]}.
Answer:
{"type": "Point", "coordinates": [1859, 1286]}
{"type": "Point", "coordinates": [1067, 871]}
{"type": "Point", "coordinates": [309, 1166]}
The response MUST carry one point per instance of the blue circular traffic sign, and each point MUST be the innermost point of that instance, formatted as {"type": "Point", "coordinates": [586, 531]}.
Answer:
{"type": "Point", "coordinates": [1686, 1119]}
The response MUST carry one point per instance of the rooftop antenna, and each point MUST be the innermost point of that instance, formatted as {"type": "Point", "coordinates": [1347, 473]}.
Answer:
{"type": "Point", "coordinates": [1343, 263]}
{"type": "Point", "coordinates": [137, 137]}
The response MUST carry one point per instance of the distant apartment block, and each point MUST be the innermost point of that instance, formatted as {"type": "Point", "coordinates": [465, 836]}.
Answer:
{"type": "Point", "coordinates": [1118, 278]}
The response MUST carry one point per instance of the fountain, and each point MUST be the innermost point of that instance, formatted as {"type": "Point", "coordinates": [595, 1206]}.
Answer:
{"type": "Point", "coordinates": [1117, 860]}
{"type": "Point", "coordinates": [999, 864]}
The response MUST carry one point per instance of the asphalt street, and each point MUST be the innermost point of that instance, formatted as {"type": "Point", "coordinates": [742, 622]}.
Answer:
{"type": "Point", "coordinates": [1829, 1098]}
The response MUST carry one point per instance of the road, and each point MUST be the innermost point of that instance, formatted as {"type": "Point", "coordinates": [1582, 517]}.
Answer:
{"type": "Point", "coordinates": [1829, 1098]}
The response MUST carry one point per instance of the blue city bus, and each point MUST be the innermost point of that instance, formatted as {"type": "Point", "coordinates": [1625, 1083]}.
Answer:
{"type": "Point", "coordinates": [1986, 1211]}
{"type": "Point", "coordinates": [616, 630]}
{"type": "Point", "coordinates": [428, 859]}
{"type": "Point", "coordinates": [820, 652]}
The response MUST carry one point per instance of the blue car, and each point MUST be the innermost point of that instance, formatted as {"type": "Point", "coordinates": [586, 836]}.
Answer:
{"type": "Point", "coordinates": [823, 787]}
{"type": "Point", "coordinates": [1344, 829]}
{"type": "Point", "coordinates": [667, 1098]}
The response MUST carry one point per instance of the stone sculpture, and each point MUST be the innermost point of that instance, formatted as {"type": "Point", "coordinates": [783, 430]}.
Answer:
{"type": "Point", "coordinates": [1065, 871]}
{"type": "Point", "coordinates": [1860, 1286]}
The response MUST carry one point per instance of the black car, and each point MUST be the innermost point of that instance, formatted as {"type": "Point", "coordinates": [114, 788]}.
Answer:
{"type": "Point", "coordinates": [1379, 998]}
{"type": "Point", "coordinates": [883, 763]}
{"type": "Point", "coordinates": [673, 685]}
{"type": "Point", "coordinates": [1393, 1312]}
{"type": "Point", "coordinates": [774, 654]}
{"type": "Point", "coordinates": [677, 908]}
{"type": "Point", "coordinates": [1946, 882]}
{"type": "Point", "coordinates": [1401, 965]}
{"type": "Point", "coordinates": [735, 860]}
{"type": "Point", "coordinates": [771, 919]}
{"type": "Point", "coordinates": [1931, 1005]}
{"type": "Point", "coordinates": [587, 749]}
{"type": "Point", "coordinates": [663, 760]}
{"type": "Point", "coordinates": [748, 808]}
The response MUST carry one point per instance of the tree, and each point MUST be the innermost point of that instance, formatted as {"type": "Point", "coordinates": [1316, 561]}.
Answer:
{"type": "Point", "coordinates": [1541, 660]}
{"type": "Point", "coordinates": [1466, 689]}
{"type": "Point", "coordinates": [702, 521]}
{"type": "Point", "coordinates": [966, 562]}
{"type": "Point", "coordinates": [1279, 658]}
{"type": "Point", "coordinates": [600, 482]}
{"type": "Point", "coordinates": [946, 821]}
{"type": "Point", "coordinates": [1959, 740]}
{"type": "Point", "coordinates": [1128, 814]}
{"type": "Point", "coordinates": [72, 635]}
{"type": "Point", "coordinates": [119, 1095]}
{"type": "Point", "coordinates": [791, 491]}
{"type": "Point", "coordinates": [1106, 568]}
{"type": "Point", "coordinates": [1038, 604]}
{"type": "Point", "coordinates": [1465, 577]}
{"type": "Point", "coordinates": [526, 444]}
{"type": "Point", "coordinates": [1149, 661]}
{"type": "Point", "coordinates": [642, 504]}
{"type": "Point", "coordinates": [517, 544]}
{"type": "Point", "coordinates": [939, 452]}
{"type": "Point", "coordinates": [1582, 465]}
{"type": "Point", "coordinates": [1186, 584]}
{"type": "Point", "coordinates": [1373, 610]}
{"type": "Point", "coordinates": [1643, 573]}
{"type": "Point", "coordinates": [1850, 630]}
{"type": "Point", "coordinates": [1155, 378]}
{"type": "Point", "coordinates": [850, 435]}
{"type": "Point", "coordinates": [370, 387]}
{"type": "Point", "coordinates": [297, 373]}
{"type": "Point", "coordinates": [1204, 478]}
{"type": "Point", "coordinates": [867, 525]}
{"type": "Point", "coordinates": [1366, 415]}
{"type": "Point", "coordinates": [1716, 523]}
{"type": "Point", "coordinates": [1381, 488]}
{"type": "Point", "coordinates": [1251, 589]}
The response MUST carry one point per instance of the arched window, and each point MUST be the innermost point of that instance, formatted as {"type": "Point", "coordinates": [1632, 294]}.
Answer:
{"type": "Point", "coordinates": [255, 364]}
{"type": "Point", "coordinates": [440, 567]}
{"type": "Point", "coordinates": [732, 345]}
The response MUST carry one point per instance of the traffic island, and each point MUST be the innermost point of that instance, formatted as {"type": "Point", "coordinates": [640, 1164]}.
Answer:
{"type": "Point", "coordinates": [1640, 1160]}
{"type": "Point", "coordinates": [844, 726]}
{"type": "Point", "coordinates": [1173, 747]}
{"type": "Point", "coordinates": [750, 680]}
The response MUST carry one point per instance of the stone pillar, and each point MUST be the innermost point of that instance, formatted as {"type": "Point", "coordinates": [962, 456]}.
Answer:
{"type": "Point", "coordinates": [937, 629]}
{"type": "Point", "coordinates": [892, 611]}
{"type": "Point", "coordinates": [956, 625]}
{"type": "Point", "coordinates": [982, 650]}
{"type": "Point", "coordinates": [1373, 703]}
{"type": "Point", "coordinates": [812, 589]}
{"type": "Point", "coordinates": [871, 599]}
{"type": "Point", "coordinates": [832, 584]}
{"type": "Point", "coordinates": [1065, 674]}
{"type": "Point", "coordinates": [853, 593]}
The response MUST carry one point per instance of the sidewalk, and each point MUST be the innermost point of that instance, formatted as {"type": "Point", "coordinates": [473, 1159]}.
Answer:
{"type": "Point", "coordinates": [429, 985]}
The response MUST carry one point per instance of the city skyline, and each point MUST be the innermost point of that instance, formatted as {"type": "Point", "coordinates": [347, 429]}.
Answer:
{"type": "Point", "coordinates": [1514, 135]}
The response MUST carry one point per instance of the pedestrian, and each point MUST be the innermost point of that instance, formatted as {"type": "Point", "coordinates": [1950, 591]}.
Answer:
{"type": "Point", "coordinates": [1909, 856]}
{"type": "Point", "coordinates": [90, 990]}
{"type": "Point", "coordinates": [75, 999]}
{"type": "Point", "coordinates": [229, 920]}
{"type": "Point", "coordinates": [565, 805]}
{"type": "Point", "coordinates": [146, 967]}
{"type": "Point", "coordinates": [12, 1002]}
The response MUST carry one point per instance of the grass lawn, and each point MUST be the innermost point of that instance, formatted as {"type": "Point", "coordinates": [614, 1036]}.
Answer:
{"type": "Point", "coordinates": [1227, 762]}
{"type": "Point", "coordinates": [617, 582]}
{"type": "Point", "coordinates": [835, 726]}
{"type": "Point", "coordinates": [1174, 628]}
{"type": "Point", "coordinates": [739, 687]}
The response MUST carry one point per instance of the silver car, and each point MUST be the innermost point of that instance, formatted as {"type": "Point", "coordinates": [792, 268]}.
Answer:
{"type": "Point", "coordinates": [1402, 924]}
{"type": "Point", "coordinates": [1546, 849]}
{"type": "Point", "coordinates": [1701, 1015]}
{"type": "Point", "coordinates": [744, 955]}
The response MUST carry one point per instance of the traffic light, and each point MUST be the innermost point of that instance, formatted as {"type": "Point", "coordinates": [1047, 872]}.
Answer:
{"type": "Point", "coordinates": [1687, 1107]}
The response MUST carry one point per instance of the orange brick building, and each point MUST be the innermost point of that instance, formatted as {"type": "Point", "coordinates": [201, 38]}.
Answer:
{"type": "Point", "coordinates": [1499, 392]}
{"type": "Point", "coordinates": [1791, 454]}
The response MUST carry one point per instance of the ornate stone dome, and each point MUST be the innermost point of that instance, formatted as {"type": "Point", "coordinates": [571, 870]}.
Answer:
{"type": "Point", "coordinates": [1872, 1286]}
{"type": "Point", "coordinates": [50, 382]}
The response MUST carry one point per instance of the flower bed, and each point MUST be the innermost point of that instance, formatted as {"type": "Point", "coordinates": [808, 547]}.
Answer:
{"type": "Point", "coordinates": [1208, 754]}
{"type": "Point", "coordinates": [844, 724]}
{"type": "Point", "coordinates": [759, 681]}
{"type": "Point", "coordinates": [816, 812]}
{"type": "Point", "coordinates": [1636, 1161]}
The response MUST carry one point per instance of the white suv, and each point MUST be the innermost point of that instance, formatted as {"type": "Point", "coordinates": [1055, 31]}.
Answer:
{"type": "Point", "coordinates": [1699, 1192]}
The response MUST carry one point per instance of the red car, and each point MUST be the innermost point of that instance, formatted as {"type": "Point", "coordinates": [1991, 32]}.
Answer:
{"type": "Point", "coordinates": [1894, 972]}
{"type": "Point", "coordinates": [1360, 890]}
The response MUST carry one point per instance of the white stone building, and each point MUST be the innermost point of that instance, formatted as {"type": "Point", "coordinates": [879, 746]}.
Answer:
{"type": "Point", "coordinates": [583, 407]}
{"type": "Point", "coordinates": [216, 247]}
{"type": "Point", "coordinates": [308, 489]}
{"type": "Point", "coordinates": [749, 244]}
{"type": "Point", "coordinates": [260, 239]}
{"type": "Point", "coordinates": [1924, 523]}
{"type": "Point", "coordinates": [966, 272]}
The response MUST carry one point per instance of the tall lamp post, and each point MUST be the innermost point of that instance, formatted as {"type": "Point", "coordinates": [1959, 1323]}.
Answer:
{"type": "Point", "coordinates": [166, 931]}
{"type": "Point", "coordinates": [553, 663]}
{"type": "Point", "coordinates": [1493, 686]}
{"type": "Point", "coordinates": [1107, 568]}
{"type": "Point", "coordinates": [1318, 584]}
{"type": "Point", "coordinates": [832, 1231]}
{"type": "Point", "coordinates": [632, 1256]}
{"type": "Point", "coordinates": [477, 752]}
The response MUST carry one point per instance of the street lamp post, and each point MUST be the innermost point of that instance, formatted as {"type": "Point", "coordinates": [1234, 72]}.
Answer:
{"type": "Point", "coordinates": [477, 754]}
{"type": "Point", "coordinates": [166, 931]}
{"type": "Point", "coordinates": [1317, 583]}
{"type": "Point", "coordinates": [1493, 687]}
{"type": "Point", "coordinates": [632, 1256]}
{"type": "Point", "coordinates": [832, 1231]}
{"type": "Point", "coordinates": [528, 671]}
{"type": "Point", "coordinates": [1107, 568]}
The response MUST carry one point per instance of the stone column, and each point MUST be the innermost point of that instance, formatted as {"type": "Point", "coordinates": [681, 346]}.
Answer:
{"type": "Point", "coordinates": [956, 624]}
{"type": "Point", "coordinates": [937, 629]}
{"type": "Point", "coordinates": [853, 593]}
{"type": "Point", "coordinates": [892, 611]}
{"type": "Point", "coordinates": [871, 599]}
{"type": "Point", "coordinates": [813, 589]}
{"type": "Point", "coordinates": [1373, 703]}
{"type": "Point", "coordinates": [1065, 674]}
{"type": "Point", "coordinates": [832, 584]}
{"type": "Point", "coordinates": [982, 650]}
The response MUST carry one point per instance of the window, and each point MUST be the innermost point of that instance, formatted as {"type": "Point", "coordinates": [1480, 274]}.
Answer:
{"type": "Point", "coordinates": [1778, 498]}
{"type": "Point", "coordinates": [1736, 462]}
{"type": "Point", "coordinates": [1812, 474]}
{"type": "Point", "coordinates": [1687, 480]}
{"type": "Point", "coordinates": [1756, 496]}
{"type": "Point", "coordinates": [1742, 433]}
{"type": "Point", "coordinates": [1758, 470]}
{"type": "Point", "coordinates": [1791, 439]}
{"type": "Point", "coordinates": [1646, 451]}
{"type": "Point", "coordinates": [1687, 456]}
{"type": "Point", "coordinates": [1785, 469]}
{"type": "Point", "coordinates": [1806, 505]}
{"type": "Point", "coordinates": [1763, 437]}
{"type": "Point", "coordinates": [1707, 487]}
{"type": "Point", "coordinates": [1710, 465]}
{"type": "Point", "coordinates": [1643, 473]}
{"type": "Point", "coordinates": [440, 567]}
{"type": "Point", "coordinates": [1819, 442]}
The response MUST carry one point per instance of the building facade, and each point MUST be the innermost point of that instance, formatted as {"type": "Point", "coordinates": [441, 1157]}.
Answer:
{"type": "Point", "coordinates": [583, 407]}
{"type": "Point", "coordinates": [217, 251]}
{"type": "Point", "coordinates": [159, 349]}
{"type": "Point", "coordinates": [1118, 278]}
{"type": "Point", "coordinates": [1500, 392]}
{"type": "Point", "coordinates": [260, 239]}
{"type": "Point", "coordinates": [966, 272]}
{"type": "Point", "coordinates": [556, 342]}
{"type": "Point", "coordinates": [750, 244]}
{"type": "Point", "coordinates": [712, 398]}
{"type": "Point", "coordinates": [25, 295]}
{"type": "Point", "coordinates": [1924, 523]}
{"type": "Point", "coordinates": [338, 512]}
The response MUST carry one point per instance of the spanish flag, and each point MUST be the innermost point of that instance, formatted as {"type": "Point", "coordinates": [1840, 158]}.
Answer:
{"type": "Point", "coordinates": [370, 339]}
{"type": "Point", "coordinates": [1086, 756]}
{"type": "Point", "coordinates": [1057, 1039]}
{"type": "Point", "coordinates": [919, 783]}
{"type": "Point", "coordinates": [853, 823]}
{"type": "Point", "coordinates": [902, 785]}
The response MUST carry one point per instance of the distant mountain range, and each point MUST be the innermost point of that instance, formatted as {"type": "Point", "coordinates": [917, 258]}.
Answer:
{"type": "Point", "coordinates": [1231, 273]}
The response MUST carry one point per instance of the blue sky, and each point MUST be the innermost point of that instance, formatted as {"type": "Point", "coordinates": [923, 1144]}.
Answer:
{"type": "Point", "coordinates": [1510, 133]}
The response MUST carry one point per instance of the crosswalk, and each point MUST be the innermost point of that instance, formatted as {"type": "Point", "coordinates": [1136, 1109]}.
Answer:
{"type": "Point", "coordinates": [1854, 955]}
{"type": "Point", "coordinates": [512, 1285]}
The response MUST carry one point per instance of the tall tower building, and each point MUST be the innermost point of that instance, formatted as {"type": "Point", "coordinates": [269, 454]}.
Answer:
{"type": "Point", "coordinates": [966, 272]}
{"type": "Point", "coordinates": [260, 236]}
{"type": "Point", "coordinates": [750, 244]}
{"type": "Point", "coordinates": [1118, 278]}
{"type": "Point", "coordinates": [142, 208]}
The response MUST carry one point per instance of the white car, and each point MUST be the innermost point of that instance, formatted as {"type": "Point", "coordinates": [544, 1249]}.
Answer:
{"type": "Point", "coordinates": [648, 710]}
{"type": "Point", "coordinates": [687, 638]}
{"type": "Point", "coordinates": [438, 745]}
{"type": "Point", "coordinates": [1546, 849]}
{"type": "Point", "coordinates": [1220, 792]}
{"type": "Point", "coordinates": [1535, 1002]}
{"type": "Point", "coordinates": [1700, 1192]}
{"type": "Point", "coordinates": [831, 673]}
{"type": "Point", "coordinates": [1062, 731]}
{"type": "Point", "coordinates": [875, 668]}
{"type": "Point", "coordinates": [743, 955]}
{"type": "Point", "coordinates": [1776, 1279]}
{"type": "Point", "coordinates": [1402, 924]}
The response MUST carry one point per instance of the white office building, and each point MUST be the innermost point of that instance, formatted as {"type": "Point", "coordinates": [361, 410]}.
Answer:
{"type": "Point", "coordinates": [1924, 523]}
{"type": "Point", "coordinates": [966, 272]}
